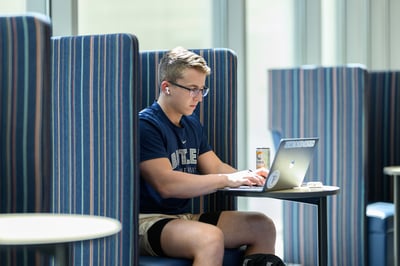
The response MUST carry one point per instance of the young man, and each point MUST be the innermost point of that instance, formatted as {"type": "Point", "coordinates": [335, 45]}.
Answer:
{"type": "Point", "coordinates": [177, 164]}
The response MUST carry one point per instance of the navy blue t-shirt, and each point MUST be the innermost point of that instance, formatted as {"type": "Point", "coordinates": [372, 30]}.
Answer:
{"type": "Point", "coordinates": [160, 138]}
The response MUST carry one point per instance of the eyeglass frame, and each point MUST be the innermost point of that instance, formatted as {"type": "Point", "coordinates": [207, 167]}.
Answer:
{"type": "Point", "coordinates": [193, 92]}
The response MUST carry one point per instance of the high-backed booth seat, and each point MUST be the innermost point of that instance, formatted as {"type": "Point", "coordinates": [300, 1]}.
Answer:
{"type": "Point", "coordinates": [218, 113]}
{"type": "Point", "coordinates": [329, 103]}
{"type": "Point", "coordinates": [383, 131]}
{"type": "Point", "coordinates": [384, 150]}
{"type": "Point", "coordinates": [24, 121]}
{"type": "Point", "coordinates": [95, 139]}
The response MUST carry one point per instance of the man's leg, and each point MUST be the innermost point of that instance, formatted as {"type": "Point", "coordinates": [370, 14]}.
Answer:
{"type": "Point", "coordinates": [202, 242]}
{"type": "Point", "coordinates": [253, 229]}
{"type": "Point", "coordinates": [256, 231]}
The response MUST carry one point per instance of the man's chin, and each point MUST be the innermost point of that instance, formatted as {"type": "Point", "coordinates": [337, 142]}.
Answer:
{"type": "Point", "coordinates": [188, 113]}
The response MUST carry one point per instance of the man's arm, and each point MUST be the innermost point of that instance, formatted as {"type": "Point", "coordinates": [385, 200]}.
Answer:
{"type": "Point", "coordinates": [210, 163]}
{"type": "Point", "coordinates": [169, 183]}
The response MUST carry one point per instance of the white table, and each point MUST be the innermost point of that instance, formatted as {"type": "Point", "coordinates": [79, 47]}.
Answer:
{"type": "Point", "coordinates": [54, 230]}
{"type": "Point", "coordinates": [395, 172]}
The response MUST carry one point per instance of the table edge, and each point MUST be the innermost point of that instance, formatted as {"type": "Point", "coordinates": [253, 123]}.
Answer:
{"type": "Point", "coordinates": [289, 193]}
{"type": "Point", "coordinates": [38, 241]}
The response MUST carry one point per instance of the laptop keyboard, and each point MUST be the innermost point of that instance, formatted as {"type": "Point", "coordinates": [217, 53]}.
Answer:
{"type": "Point", "coordinates": [249, 187]}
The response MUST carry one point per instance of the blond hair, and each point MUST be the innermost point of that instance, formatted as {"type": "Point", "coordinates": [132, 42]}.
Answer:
{"type": "Point", "coordinates": [178, 59]}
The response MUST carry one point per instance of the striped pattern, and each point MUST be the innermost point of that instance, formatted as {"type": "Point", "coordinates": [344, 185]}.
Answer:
{"type": "Point", "coordinates": [94, 137]}
{"type": "Point", "coordinates": [329, 103]}
{"type": "Point", "coordinates": [25, 91]}
{"type": "Point", "coordinates": [384, 130]}
{"type": "Point", "coordinates": [24, 119]}
{"type": "Point", "coordinates": [218, 111]}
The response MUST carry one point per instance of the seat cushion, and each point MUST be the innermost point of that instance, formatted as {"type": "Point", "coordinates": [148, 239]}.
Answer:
{"type": "Point", "coordinates": [380, 233]}
{"type": "Point", "coordinates": [232, 257]}
{"type": "Point", "coordinates": [156, 261]}
{"type": "Point", "coordinates": [380, 217]}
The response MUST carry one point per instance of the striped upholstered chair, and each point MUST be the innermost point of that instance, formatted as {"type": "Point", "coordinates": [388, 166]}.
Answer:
{"type": "Point", "coordinates": [218, 113]}
{"type": "Point", "coordinates": [384, 130]}
{"type": "Point", "coordinates": [24, 120]}
{"type": "Point", "coordinates": [327, 102]}
{"type": "Point", "coordinates": [384, 150]}
{"type": "Point", "coordinates": [94, 128]}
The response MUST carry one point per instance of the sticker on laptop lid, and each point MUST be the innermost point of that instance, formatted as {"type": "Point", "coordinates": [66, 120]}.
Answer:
{"type": "Point", "coordinates": [273, 179]}
{"type": "Point", "coordinates": [300, 144]}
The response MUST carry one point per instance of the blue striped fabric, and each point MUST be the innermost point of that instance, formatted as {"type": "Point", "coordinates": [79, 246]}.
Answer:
{"type": "Point", "coordinates": [24, 120]}
{"type": "Point", "coordinates": [329, 103]}
{"type": "Point", "coordinates": [218, 111]}
{"type": "Point", "coordinates": [384, 130]}
{"type": "Point", "coordinates": [94, 137]}
{"type": "Point", "coordinates": [25, 91]}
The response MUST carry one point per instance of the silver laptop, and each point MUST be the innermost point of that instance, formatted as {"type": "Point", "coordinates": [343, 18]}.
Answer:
{"type": "Point", "coordinates": [289, 166]}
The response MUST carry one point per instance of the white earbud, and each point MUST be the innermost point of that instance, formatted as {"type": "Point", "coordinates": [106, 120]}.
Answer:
{"type": "Point", "coordinates": [167, 90]}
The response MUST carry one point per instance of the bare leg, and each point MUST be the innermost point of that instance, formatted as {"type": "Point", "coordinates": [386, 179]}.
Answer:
{"type": "Point", "coordinates": [253, 229]}
{"type": "Point", "coordinates": [204, 243]}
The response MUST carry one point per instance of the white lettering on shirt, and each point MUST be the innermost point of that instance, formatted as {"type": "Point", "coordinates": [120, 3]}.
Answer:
{"type": "Point", "coordinates": [184, 157]}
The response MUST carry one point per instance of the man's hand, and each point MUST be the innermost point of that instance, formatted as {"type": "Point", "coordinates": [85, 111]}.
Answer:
{"type": "Point", "coordinates": [248, 177]}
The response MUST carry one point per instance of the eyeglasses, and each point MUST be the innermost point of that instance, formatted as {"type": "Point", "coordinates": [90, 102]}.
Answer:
{"type": "Point", "coordinates": [193, 92]}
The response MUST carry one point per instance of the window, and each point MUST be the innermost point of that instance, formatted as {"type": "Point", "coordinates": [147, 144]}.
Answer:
{"type": "Point", "coordinates": [158, 24]}
{"type": "Point", "coordinates": [12, 7]}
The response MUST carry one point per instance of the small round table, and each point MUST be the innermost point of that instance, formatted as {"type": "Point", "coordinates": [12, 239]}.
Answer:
{"type": "Point", "coordinates": [395, 172]}
{"type": "Point", "coordinates": [316, 196]}
{"type": "Point", "coordinates": [54, 230]}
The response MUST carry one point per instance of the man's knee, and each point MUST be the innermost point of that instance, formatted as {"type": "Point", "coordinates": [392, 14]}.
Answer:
{"type": "Point", "coordinates": [260, 220]}
{"type": "Point", "coordinates": [212, 241]}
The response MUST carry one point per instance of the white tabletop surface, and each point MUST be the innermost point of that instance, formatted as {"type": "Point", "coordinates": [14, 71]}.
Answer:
{"type": "Point", "coordinates": [293, 193]}
{"type": "Point", "coordinates": [40, 228]}
{"type": "Point", "coordinates": [392, 170]}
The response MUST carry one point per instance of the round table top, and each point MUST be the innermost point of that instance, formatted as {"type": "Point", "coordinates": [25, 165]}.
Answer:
{"type": "Point", "coordinates": [47, 228]}
{"type": "Point", "coordinates": [293, 193]}
{"type": "Point", "coordinates": [307, 192]}
{"type": "Point", "coordinates": [392, 170]}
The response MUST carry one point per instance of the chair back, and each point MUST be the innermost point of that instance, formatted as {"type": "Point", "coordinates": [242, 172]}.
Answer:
{"type": "Point", "coordinates": [384, 132]}
{"type": "Point", "coordinates": [94, 137]}
{"type": "Point", "coordinates": [329, 103]}
{"type": "Point", "coordinates": [24, 113]}
{"type": "Point", "coordinates": [217, 112]}
{"type": "Point", "coordinates": [25, 153]}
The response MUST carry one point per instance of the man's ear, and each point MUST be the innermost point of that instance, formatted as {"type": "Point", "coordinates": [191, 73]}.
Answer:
{"type": "Point", "coordinates": [164, 87]}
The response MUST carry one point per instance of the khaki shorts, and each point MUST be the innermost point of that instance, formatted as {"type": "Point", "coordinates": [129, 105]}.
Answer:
{"type": "Point", "coordinates": [148, 220]}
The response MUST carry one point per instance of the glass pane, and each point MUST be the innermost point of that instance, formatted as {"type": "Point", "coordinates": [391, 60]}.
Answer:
{"type": "Point", "coordinates": [12, 6]}
{"type": "Point", "coordinates": [269, 44]}
{"type": "Point", "coordinates": [158, 24]}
